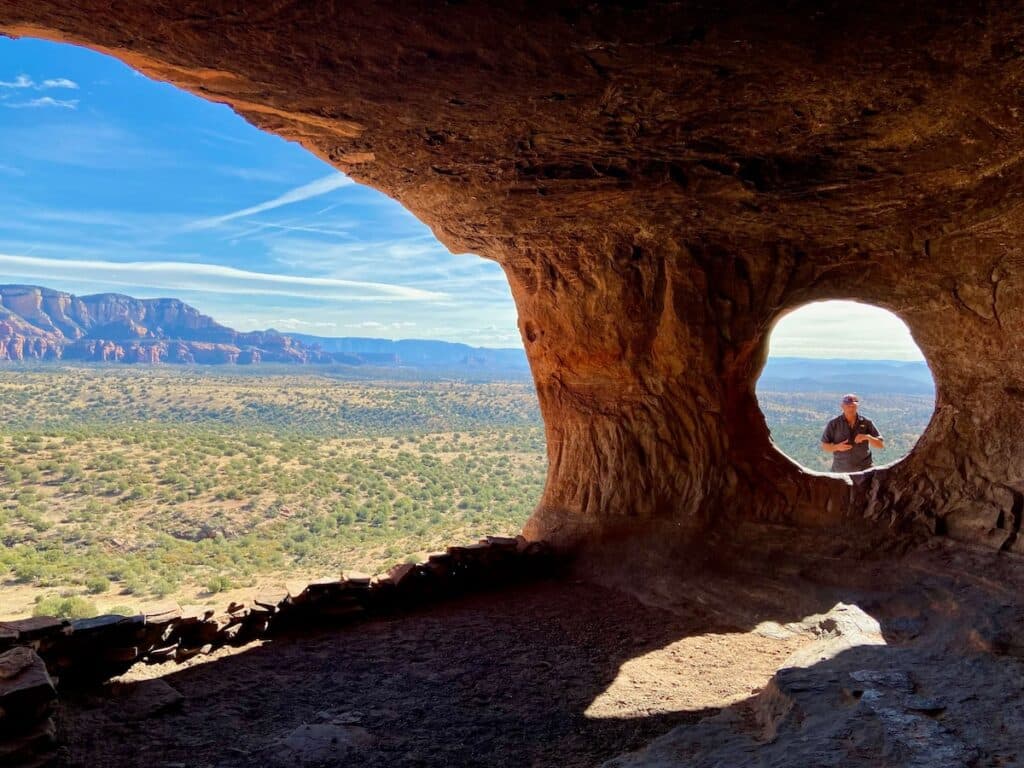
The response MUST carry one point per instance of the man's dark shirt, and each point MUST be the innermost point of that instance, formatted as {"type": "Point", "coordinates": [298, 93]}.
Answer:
{"type": "Point", "coordinates": [839, 431]}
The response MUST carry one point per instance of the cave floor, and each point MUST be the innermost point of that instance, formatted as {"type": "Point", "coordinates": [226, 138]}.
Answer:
{"type": "Point", "coordinates": [913, 664]}
{"type": "Point", "coordinates": [548, 674]}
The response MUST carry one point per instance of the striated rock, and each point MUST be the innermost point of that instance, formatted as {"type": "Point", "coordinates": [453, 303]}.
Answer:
{"type": "Point", "coordinates": [32, 748]}
{"type": "Point", "coordinates": [33, 628]}
{"type": "Point", "coordinates": [43, 324]}
{"type": "Point", "coordinates": [824, 709]}
{"type": "Point", "coordinates": [661, 183]}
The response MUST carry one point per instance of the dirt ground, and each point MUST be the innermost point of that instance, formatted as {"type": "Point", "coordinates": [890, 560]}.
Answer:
{"type": "Point", "coordinates": [565, 674]}
{"type": "Point", "coordinates": [914, 662]}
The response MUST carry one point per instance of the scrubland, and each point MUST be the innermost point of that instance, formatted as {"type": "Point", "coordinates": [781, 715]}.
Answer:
{"type": "Point", "coordinates": [121, 486]}
{"type": "Point", "coordinates": [797, 419]}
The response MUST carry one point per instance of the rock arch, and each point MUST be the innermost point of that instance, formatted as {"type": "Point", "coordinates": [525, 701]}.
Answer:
{"type": "Point", "coordinates": [866, 327]}
{"type": "Point", "coordinates": [659, 182]}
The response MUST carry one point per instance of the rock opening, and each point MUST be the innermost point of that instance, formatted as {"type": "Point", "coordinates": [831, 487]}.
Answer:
{"type": "Point", "coordinates": [818, 353]}
{"type": "Point", "coordinates": [753, 157]}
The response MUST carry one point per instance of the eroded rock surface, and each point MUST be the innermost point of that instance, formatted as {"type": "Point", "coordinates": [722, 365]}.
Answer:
{"type": "Point", "coordinates": [660, 183]}
{"type": "Point", "coordinates": [898, 680]}
{"type": "Point", "coordinates": [42, 324]}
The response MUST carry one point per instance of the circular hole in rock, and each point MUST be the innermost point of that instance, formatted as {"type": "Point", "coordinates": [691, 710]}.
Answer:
{"type": "Point", "coordinates": [820, 352]}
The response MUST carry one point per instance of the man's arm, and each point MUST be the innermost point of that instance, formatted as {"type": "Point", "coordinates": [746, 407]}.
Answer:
{"type": "Point", "coordinates": [874, 439]}
{"type": "Point", "coordinates": [835, 447]}
{"type": "Point", "coordinates": [826, 441]}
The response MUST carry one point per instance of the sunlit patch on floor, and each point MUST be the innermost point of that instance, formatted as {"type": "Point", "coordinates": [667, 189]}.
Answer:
{"type": "Point", "coordinates": [716, 670]}
{"type": "Point", "coordinates": [699, 672]}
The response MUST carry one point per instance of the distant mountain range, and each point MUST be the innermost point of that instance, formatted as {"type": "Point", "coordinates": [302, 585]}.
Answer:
{"type": "Point", "coordinates": [802, 374]}
{"type": "Point", "coordinates": [43, 324]}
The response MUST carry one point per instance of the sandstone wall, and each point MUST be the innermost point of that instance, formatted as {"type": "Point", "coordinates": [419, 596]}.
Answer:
{"type": "Point", "coordinates": [661, 183]}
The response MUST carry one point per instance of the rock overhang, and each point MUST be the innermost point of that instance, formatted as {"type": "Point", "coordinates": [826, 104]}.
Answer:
{"type": "Point", "coordinates": [660, 182]}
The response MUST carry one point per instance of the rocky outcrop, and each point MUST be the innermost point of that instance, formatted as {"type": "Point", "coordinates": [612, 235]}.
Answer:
{"type": "Point", "coordinates": [43, 324]}
{"type": "Point", "coordinates": [661, 182]}
{"type": "Point", "coordinates": [27, 698]}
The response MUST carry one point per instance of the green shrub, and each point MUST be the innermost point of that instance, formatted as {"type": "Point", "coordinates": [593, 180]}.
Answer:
{"type": "Point", "coordinates": [97, 585]}
{"type": "Point", "coordinates": [163, 587]}
{"type": "Point", "coordinates": [74, 607]}
{"type": "Point", "coordinates": [220, 583]}
{"type": "Point", "coordinates": [27, 572]}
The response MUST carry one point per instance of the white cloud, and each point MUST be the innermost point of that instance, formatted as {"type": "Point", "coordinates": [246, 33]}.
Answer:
{"type": "Point", "coordinates": [21, 81]}
{"type": "Point", "coordinates": [250, 174]}
{"type": "Point", "coordinates": [843, 329]}
{"type": "Point", "coordinates": [212, 278]}
{"type": "Point", "coordinates": [377, 324]}
{"type": "Point", "coordinates": [59, 82]}
{"type": "Point", "coordinates": [313, 189]}
{"type": "Point", "coordinates": [259, 226]}
{"type": "Point", "coordinates": [24, 81]}
{"type": "Point", "coordinates": [296, 322]}
{"type": "Point", "coordinates": [44, 101]}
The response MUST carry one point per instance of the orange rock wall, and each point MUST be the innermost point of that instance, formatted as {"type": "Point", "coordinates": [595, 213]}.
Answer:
{"type": "Point", "coordinates": [661, 182]}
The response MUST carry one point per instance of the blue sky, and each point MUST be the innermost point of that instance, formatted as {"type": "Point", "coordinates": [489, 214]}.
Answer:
{"type": "Point", "coordinates": [110, 181]}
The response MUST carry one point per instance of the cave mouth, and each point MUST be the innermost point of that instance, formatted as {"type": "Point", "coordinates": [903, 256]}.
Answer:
{"type": "Point", "coordinates": [206, 247]}
{"type": "Point", "coordinates": [821, 351]}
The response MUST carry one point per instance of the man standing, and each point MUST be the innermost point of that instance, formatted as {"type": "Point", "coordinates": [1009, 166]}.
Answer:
{"type": "Point", "coordinates": [850, 437]}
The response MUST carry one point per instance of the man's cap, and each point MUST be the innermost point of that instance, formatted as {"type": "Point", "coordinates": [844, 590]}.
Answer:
{"type": "Point", "coordinates": [850, 399]}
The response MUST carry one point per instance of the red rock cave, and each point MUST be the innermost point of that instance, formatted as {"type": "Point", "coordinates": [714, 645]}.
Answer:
{"type": "Point", "coordinates": [660, 182]}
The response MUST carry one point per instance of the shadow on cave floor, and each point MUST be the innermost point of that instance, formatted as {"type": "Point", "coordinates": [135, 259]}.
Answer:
{"type": "Point", "coordinates": [914, 663]}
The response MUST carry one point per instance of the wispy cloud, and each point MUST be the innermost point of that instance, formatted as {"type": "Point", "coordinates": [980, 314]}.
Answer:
{"type": "Point", "coordinates": [378, 324]}
{"type": "Point", "coordinates": [112, 230]}
{"type": "Point", "coordinates": [306, 191]}
{"type": "Point", "coordinates": [291, 323]}
{"type": "Point", "coordinates": [251, 174]}
{"type": "Point", "coordinates": [214, 278]}
{"type": "Point", "coordinates": [24, 81]}
{"type": "Point", "coordinates": [88, 144]}
{"type": "Point", "coordinates": [334, 231]}
{"type": "Point", "coordinates": [21, 81]}
{"type": "Point", "coordinates": [419, 260]}
{"type": "Point", "coordinates": [44, 101]}
{"type": "Point", "coordinates": [58, 82]}
{"type": "Point", "coordinates": [846, 329]}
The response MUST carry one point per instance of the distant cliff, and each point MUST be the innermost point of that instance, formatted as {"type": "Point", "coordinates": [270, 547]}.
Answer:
{"type": "Point", "coordinates": [43, 324]}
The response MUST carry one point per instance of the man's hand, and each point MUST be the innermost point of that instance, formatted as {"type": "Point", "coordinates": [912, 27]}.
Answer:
{"type": "Point", "coordinates": [861, 438]}
{"type": "Point", "coordinates": [840, 447]}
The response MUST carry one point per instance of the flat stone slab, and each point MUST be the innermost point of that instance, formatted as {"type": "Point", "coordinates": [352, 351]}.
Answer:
{"type": "Point", "coordinates": [25, 685]}
{"type": "Point", "coordinates": [33, 627]}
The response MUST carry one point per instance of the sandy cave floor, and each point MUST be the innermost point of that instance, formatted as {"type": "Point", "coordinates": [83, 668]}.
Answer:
{"type": "Point", "coordinates": [550, 674]}
{"type": "Point", "coordinates": [909, 663]}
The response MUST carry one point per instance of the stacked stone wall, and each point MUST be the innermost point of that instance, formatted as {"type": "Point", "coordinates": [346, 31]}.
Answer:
{"type": "Point", "coordinates": [40, 655]}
